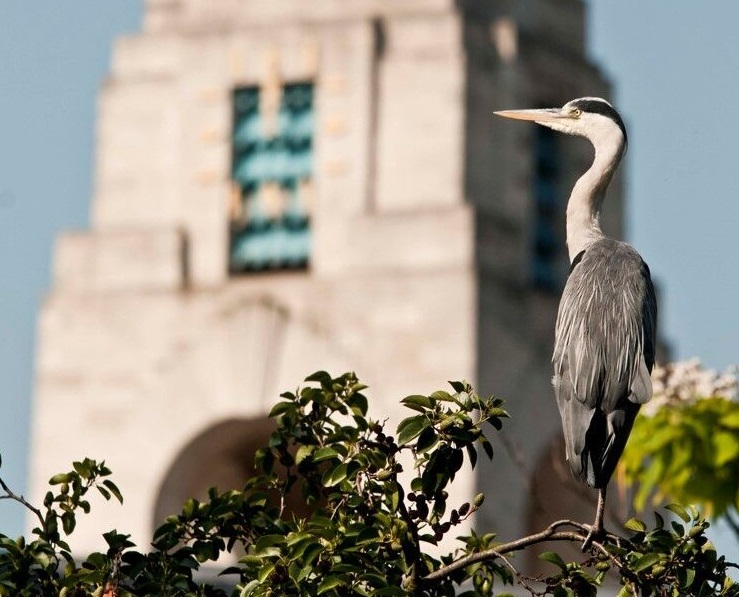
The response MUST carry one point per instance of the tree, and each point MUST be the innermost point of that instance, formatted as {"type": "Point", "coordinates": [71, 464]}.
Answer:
{"type": "Point", "coordinates": [685, 443]}
{"type": "Point", "coordinates": [368, 533]}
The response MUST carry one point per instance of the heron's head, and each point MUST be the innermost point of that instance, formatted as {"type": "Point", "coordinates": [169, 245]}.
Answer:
{"type": "Point", "coordinates": [590, 117]}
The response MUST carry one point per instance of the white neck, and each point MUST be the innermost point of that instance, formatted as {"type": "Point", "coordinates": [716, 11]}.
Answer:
{"type": "Point", "coordinates": [583, 208]}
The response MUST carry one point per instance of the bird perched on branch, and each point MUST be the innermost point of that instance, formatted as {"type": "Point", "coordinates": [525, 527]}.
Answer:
{"type": "Point", "coordinates": [606, 325]}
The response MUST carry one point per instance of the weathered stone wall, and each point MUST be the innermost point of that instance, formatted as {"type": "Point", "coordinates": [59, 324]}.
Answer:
{"type": "Point", "coordinates": [421, 223]}
{"type": "Point", "coordinates": [145, 341]}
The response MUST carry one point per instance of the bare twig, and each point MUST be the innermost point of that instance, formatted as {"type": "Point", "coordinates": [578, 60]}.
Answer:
{"type": "Point", "coordinates": [10, 495]}
{"type": "Point", "coordinates": [520, 578]}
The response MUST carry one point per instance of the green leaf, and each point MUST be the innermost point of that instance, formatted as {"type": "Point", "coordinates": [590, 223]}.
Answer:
{"type": "Point", "coordinates": [488, 447]}
{"type": "Point", "coordinates": [251, 560]}
{"type": "Point", "coordinates": [411, 428]}
{"type": "Point", "coordinates": [68, 522]}
{"type": "Point", "coordinates": [335, 475]}
{"type": "Point", "coordinates": [303, 453]}
{"type": "Point", "coordinates": [443, 396]}
{"type": "Point", "coordinates": [269, 545]}
{"type": "Point", "coordinates": [265, 571]}
{"type": "Point", "coordinates": [190, 507]}
{"type": "Point", "coordinates": [472, 455]}
{"type": "Point", "coordinates": [427, 440]}
{"type": "Point", "coordinates": [459, 386]}
{"type": "Point", "coordinates": [328, 583]}
{"type": "Point", "coordinates": [659, 521]}
{"type": "Point", "coordinates": [281, 408]}
{"type": "Point", "coordinates": [321, 377]}
{"type": "Point", "coordinates": [61, 478]}
{"type": "Point", "coordinates": [358, 402]}
{"type": "Point", "coordinates": [636, 525]}
{"type": "Point", "coordinates": [436, 475]}
{"type": "Point", "coordinates": [554, 558]}
{"type": "Point", "coordinates": [84, 468]}
{"type": "Point", "coordinates": [249, 588]}
{"type": "Point", "coordinates": [418, 402]}
{"type": "Point", "coordinates": [646, 561]}
{"type": "Point", "coordinates": [455, 462]}
{"type": "Point", "coordinates": [113, 488]}
{"type": "Point", "coordinates": [679, 511]}
{"type": "Point", "coordinates": [324, 454]}
{"type": "Point", "coordinates": [686, 577]}
{"type": "Point", "coordinates": [294, 538]}
{"type": "Point", "coordinates": [310, 553]}
{"type": "Point", "coordinates": [374, 580]}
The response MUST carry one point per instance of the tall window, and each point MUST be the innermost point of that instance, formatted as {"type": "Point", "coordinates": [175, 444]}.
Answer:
{"type": "Point", "coordinates": [272, 166]}
{"type": "Point", "coordinates": [546, 238]}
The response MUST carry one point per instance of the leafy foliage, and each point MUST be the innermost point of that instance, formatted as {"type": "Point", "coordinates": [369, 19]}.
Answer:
{"type": "Point", "coordinates": [687, 452]}
{"type": "Point", "coordinates": [32, 568]}
{"type": "Point", "coordinates": [676, 559]}
{"type": "Point", "coordinates": [368, 523]}
{"type": "Point", "coordinates": [685, 443]}
{"type": "Point", "coordinates": [366, 534]}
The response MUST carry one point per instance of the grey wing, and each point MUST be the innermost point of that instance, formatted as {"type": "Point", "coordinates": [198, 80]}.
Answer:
{"type": "Point", "coordinates": [603, 356]}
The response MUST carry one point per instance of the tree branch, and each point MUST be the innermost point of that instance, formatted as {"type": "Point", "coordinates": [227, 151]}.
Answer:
{"type": "Point", "coordinates": [10, 495]}
{"type": "Point", "coordinates": [405, 515]}
{"type": "Point", "coordinates": [551, 533]}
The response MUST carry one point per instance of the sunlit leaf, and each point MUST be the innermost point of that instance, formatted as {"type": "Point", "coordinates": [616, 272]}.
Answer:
{"type": "Point", "coordinates": [679, 511]}
{"type": "Point", "coordinates": [634, 524]}
{"type": "Point", "coordinates": [410, 428]}
{"type": "Point", "coordinates": [418, 402]}
{"type": "Point", "coordinates": [646, 561]}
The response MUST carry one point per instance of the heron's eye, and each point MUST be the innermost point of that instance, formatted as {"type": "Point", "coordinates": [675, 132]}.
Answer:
{"type": "Point", "coordinates": [576, 112]}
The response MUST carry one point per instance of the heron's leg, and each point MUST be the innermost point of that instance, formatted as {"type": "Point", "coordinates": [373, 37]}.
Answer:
{"type": "Point", "coordinates": [597, 527]}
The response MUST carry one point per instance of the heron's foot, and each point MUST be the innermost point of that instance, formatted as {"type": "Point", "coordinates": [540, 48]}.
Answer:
{"type": "Point", "coordinates": [596, 533]}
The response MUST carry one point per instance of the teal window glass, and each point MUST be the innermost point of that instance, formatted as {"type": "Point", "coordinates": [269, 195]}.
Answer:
{"type": "Point", "coordinates": [547, 205]}
{"type": "Point", "coordinates": [272, 169]}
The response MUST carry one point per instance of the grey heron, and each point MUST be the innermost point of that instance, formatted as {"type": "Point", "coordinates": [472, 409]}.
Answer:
{"type": "Point", "coordinates": [606, 324]}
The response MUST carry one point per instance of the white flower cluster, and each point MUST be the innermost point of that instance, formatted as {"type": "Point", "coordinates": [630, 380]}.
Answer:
{"type": "Point", "coordinates": [685, 382]}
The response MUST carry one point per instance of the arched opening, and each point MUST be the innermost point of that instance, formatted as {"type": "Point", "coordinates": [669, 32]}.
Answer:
{"type": "Point", "coordinates": [222, 456]}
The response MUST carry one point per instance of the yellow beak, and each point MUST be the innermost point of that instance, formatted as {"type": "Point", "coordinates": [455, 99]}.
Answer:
{"type": "Point", "coordinates": [543, 115]}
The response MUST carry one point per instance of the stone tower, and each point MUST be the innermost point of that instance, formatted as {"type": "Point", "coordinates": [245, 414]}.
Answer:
{"type": "Point", "coordinates": [286, 186]}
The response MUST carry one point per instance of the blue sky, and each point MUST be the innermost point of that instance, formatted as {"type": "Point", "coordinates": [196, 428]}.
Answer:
{"type": "Point", "coordinates": [53, 58]}
{"type": "Point", "coordinates": [677, 76]}
{"type": "Point", "coordinates": [676, 73]}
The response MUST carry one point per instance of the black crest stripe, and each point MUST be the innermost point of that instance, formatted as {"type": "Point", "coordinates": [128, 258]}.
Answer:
{"type": "Point", "coordinates": [602, 108]}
